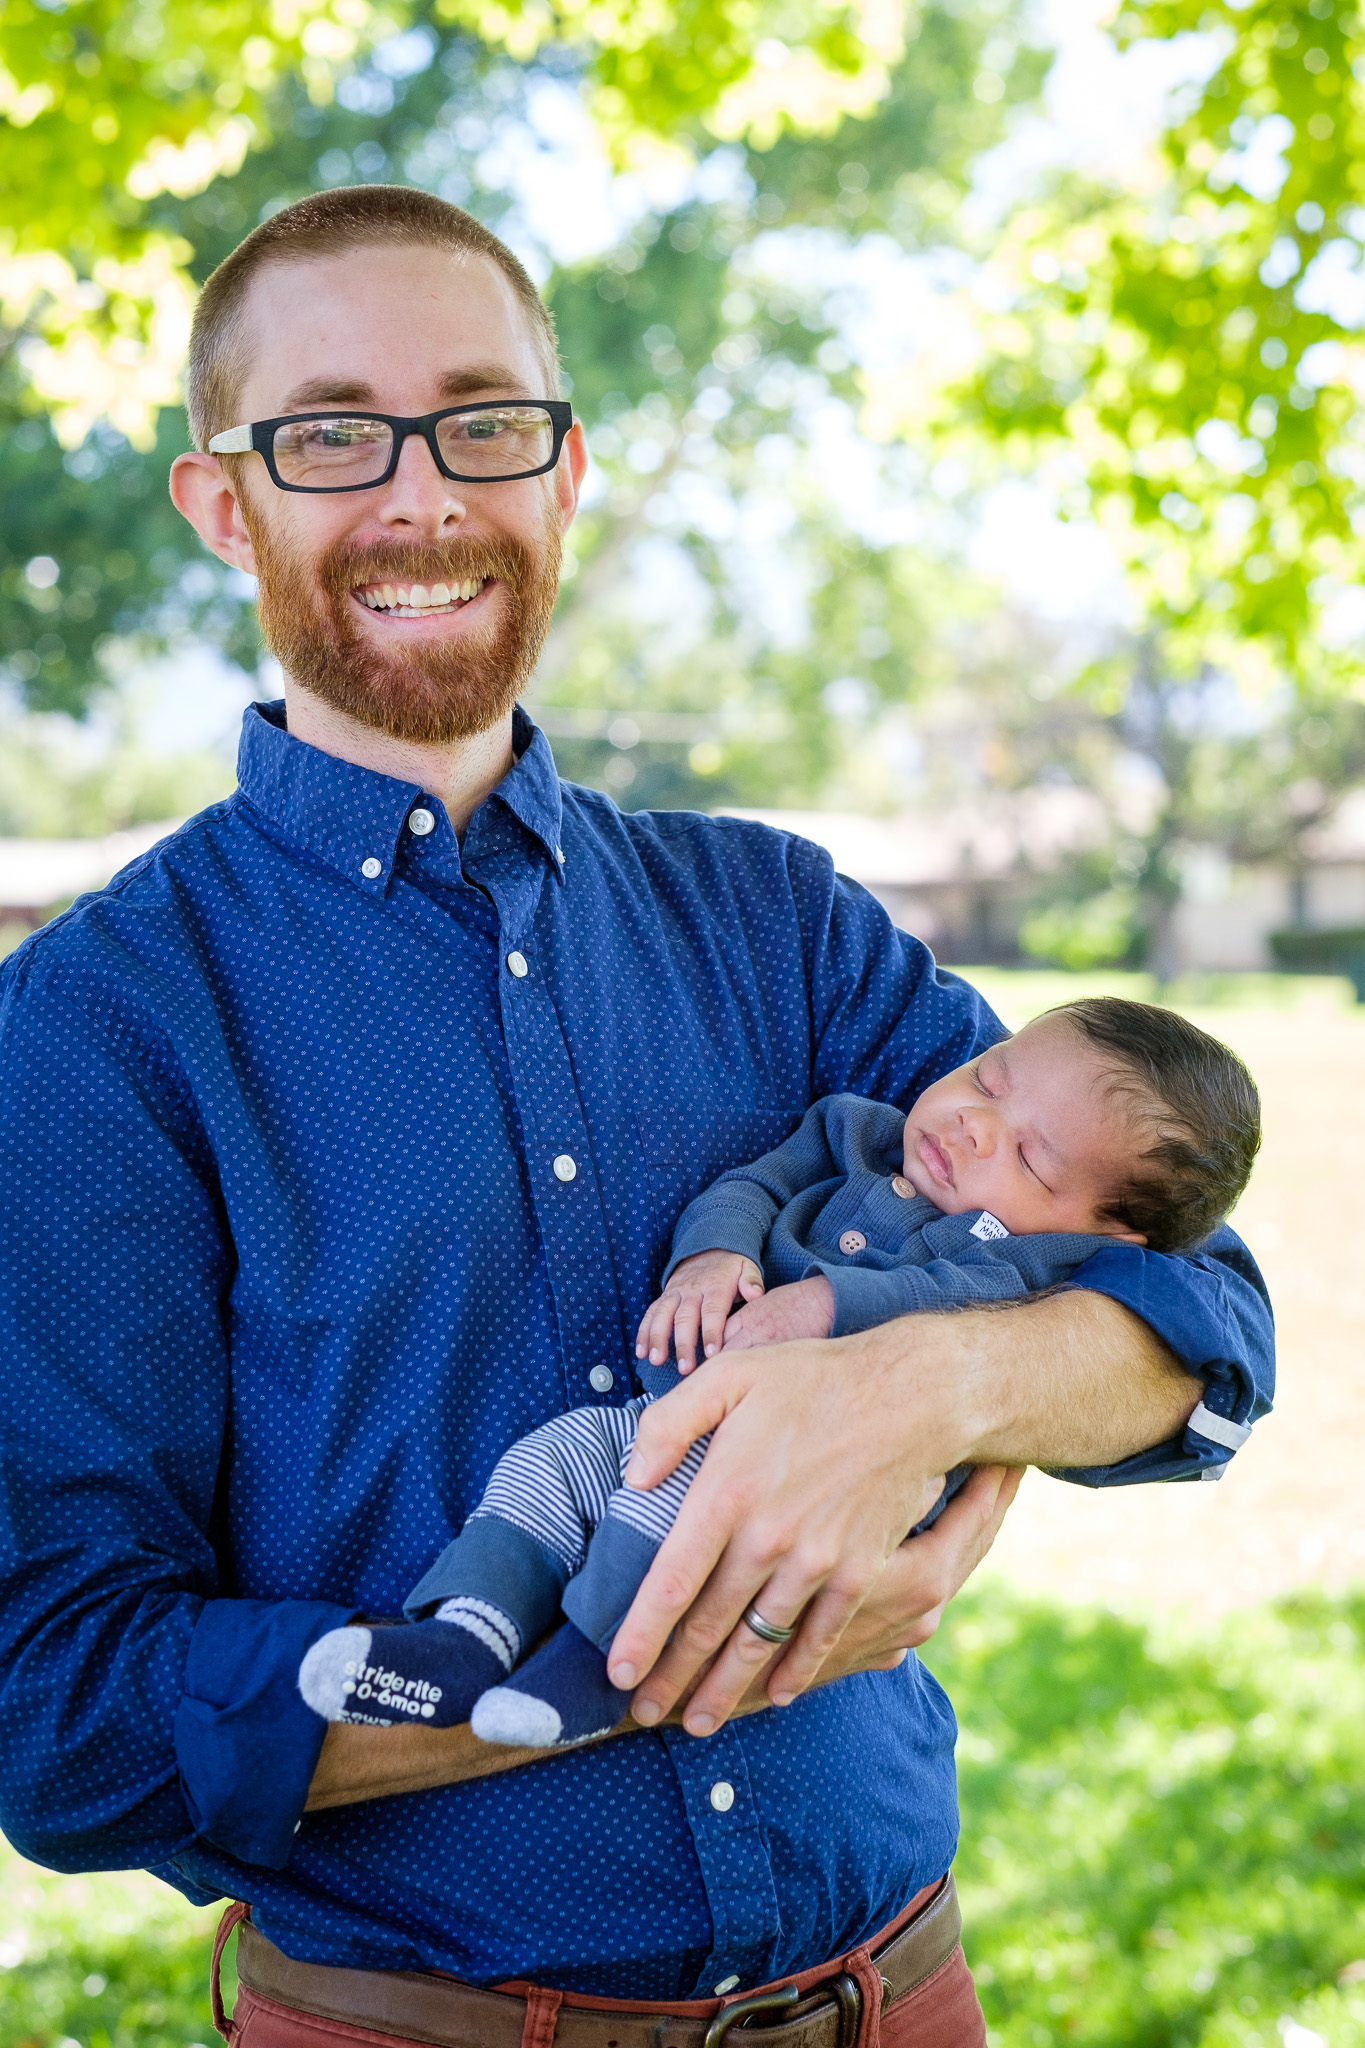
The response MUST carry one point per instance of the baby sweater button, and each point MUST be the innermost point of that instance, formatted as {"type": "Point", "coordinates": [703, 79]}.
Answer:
{"type": "Point", "coordinates": [902, 1187]}
{"type": "Point", "coordinates": [852, 1241]}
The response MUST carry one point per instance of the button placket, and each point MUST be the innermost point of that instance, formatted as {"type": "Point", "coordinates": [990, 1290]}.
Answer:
{"type": "Point", "coordinates": [578, 1249]}
{"type": "Point", "coordinates": [736, 1869]}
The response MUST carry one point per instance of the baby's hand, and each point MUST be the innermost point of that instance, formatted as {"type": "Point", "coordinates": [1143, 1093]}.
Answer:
{"type": "Point", "coordinates": [700, 1294]}
{"type": "Point", "coordinates": [805, 1309]}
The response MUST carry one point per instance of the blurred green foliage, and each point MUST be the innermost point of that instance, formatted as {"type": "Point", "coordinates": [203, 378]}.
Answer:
{"type": "Point", "coordinates": [1186, 341]}
{"type": "Point", "coordinates": [1163, 1835]}
{"type": "Point", "coordinates": [105, 106]}
{"type": "Point", "coordinates": [1163, 1845]}
{"type": "Point", "coordinates": [704, 372]}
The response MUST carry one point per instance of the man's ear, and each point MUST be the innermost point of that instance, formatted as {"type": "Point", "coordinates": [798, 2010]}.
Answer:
{"type": "Point", "coordinates": [201, 491]}
{"type": "Point", "coordinates": [568, 476]}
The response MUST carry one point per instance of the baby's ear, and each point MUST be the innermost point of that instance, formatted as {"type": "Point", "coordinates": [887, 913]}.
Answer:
{"type": "Point", "coordinates": [1106, 1227]}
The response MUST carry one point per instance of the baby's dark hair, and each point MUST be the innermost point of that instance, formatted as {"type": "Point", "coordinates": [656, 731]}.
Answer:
{"type": "Point", "coordinates": [1193, 1101]}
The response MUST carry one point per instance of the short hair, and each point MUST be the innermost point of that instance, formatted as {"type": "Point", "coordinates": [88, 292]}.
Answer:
{"type": "Point", "coordinates": [1194, 1103]}
{"type": "Point", "coordinates": [350, 217]}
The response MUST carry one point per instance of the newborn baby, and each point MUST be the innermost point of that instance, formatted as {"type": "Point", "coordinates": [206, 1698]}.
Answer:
{"type": "Point", "coordinates": [1103, 1120]}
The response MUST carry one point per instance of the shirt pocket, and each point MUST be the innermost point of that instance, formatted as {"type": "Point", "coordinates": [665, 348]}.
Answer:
{"type": "Point", "coordinates": [685, 1150]}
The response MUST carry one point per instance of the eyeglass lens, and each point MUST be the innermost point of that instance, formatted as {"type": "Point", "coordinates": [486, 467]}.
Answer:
{"type": "Point", "coordinates": [506, 441]}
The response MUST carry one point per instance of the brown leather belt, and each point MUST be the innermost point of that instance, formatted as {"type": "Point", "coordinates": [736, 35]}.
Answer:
{"type": "Point", "coordinates": [431, 2008]}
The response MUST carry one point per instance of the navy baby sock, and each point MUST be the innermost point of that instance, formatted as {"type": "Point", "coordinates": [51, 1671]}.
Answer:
{"type": "Point", "coordinates": [427, 1672]}
{"type": "Point", "coordinates": [560, 1696]}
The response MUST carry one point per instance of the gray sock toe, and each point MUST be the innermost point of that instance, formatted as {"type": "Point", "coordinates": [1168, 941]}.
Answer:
{"type": "Point", "coordinates": [505, 1715]}
{"type": "Point", "coordinates": [327, 1675]}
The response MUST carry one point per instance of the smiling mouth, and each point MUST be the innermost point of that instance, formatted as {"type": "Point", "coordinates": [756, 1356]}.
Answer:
{"type": "Point", "coordinates": [419, 600]}
{"type": "Point", "coordinates": [936, 1160]}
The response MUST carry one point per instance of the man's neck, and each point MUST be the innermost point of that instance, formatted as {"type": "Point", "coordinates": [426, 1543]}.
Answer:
{"type": "Point", "coordinates": [461, 773]}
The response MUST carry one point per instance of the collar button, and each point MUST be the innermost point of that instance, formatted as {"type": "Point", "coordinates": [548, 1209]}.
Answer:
{"type": "Point", "coordinates": [372, 869]}
{"type": "Point", "coordinates": [421, 821]}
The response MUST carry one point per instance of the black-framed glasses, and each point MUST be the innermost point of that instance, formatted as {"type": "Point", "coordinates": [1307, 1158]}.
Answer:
{"type": "Point", "coordinates": [496, 441]}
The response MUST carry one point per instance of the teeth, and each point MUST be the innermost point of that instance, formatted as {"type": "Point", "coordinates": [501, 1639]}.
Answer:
{"type": "Point", "coordinates": [416, 597]}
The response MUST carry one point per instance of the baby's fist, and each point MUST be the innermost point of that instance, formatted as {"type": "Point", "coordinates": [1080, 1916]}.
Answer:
{"type": "Point", "coordinates": [700, 1294]}
{"type": "Point", "coordinates": [804, 1309]}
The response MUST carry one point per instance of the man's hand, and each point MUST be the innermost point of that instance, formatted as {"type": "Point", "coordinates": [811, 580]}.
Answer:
{"type": "Point", "coordinates": [803, 1309]}
{"type": "Point", "coordinates": [826, 1453]}
{"type": "Point", "coordinates": [902, 1612]}
{"type": "Point", "coordinates": [700, 1294]}
{"type": "Point", "coordinates": [810, 1483]}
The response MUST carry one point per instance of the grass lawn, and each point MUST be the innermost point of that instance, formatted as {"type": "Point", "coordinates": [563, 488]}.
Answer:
{"type": "Point", "coordinates": [1163, 1777]}
{"type": "Point", "coordinates": [1164, 1846]}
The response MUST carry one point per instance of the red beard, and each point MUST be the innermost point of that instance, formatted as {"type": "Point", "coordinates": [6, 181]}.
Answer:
{"type": "Point", "coordinates": [429, 691]}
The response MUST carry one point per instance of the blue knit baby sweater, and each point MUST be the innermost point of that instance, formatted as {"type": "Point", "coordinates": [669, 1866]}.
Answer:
{"type": "Point", "coordinates": [832, 1200]}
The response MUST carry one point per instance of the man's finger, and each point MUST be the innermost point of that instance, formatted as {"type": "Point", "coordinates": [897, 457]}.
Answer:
{"type": "Point", "coordinates": [818, 1634]}
{"type": "Point", "coordinates": [667, 1429]}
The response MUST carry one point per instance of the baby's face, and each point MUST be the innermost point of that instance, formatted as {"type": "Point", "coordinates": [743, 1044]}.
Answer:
{"type": "Point", "coordinates": [1028, 1131]}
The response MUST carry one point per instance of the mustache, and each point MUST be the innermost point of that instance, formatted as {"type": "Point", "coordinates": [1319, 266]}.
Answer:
{"type": "Point", "coordinates": [344, 569]}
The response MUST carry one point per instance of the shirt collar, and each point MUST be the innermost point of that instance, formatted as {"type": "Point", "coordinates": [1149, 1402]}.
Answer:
{"type": "Point", "coordinates": [352, 817]}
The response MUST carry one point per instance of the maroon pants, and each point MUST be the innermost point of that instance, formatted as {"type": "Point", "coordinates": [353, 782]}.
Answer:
{"type": "Point", "coordinates": [942, 2012]}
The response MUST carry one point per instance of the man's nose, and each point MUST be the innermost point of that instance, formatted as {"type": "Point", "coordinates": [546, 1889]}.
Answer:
{"type": "Point", "coordinates": [417, 499]}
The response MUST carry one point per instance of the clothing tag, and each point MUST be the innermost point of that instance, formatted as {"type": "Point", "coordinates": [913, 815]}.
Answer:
{"type": "Point", "coordinates": [987, 1227]}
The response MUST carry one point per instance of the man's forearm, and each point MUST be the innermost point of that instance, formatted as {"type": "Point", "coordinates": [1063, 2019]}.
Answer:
{"type": "Point", "coordinates": [1072, 1379]}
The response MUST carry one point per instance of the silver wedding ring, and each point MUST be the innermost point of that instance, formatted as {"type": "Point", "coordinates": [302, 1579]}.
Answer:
{"type": "Point", "coordinates": [754, 1620]}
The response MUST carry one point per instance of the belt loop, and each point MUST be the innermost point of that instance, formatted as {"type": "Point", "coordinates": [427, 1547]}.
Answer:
{"type": "Point", "coordinates": [542, 2010]}
{"type": "Point", "coordinates": [233, 1917]}
{"type": "Point", "coordinates": [860, 1967]}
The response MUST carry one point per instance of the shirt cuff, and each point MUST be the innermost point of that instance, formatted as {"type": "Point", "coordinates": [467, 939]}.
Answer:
{"type": "Point", "coordinates": [1186, 1301]}
{"type": "Point", "coordinates": [725, 1230]}
{"type": "Point", "coordinates": [245, 1742]}
{"type": "Point", "coordinates": [864, 1296]}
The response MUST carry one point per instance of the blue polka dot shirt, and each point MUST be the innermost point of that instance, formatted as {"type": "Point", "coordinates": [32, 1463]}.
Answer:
{"type": "Point", "coordinates": [334, 1156]}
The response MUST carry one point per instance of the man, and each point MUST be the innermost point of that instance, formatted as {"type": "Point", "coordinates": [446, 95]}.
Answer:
{"type": "Point", "coordinates": [343, 1137]}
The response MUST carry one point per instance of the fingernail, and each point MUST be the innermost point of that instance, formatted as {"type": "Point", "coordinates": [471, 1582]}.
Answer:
{"type": "Point", "coordinates": [710, 1350]}
{"type": "Point", "coordinates": [656, 1358]}
{"type": "Point", "coordinates": [647, 1713]}
{"type": "Point", "coordinates": [635, 1470]}
{"type": "Point", "coordinates": [699, 1724]}
{"type": "Point", "coordinates": [783, 1699]}
{"type": "Point", "coordinates": [622, 1677]}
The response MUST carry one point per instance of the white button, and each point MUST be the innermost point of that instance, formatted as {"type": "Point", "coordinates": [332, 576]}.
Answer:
{"type": "Point", "coordinates": [601, 1379]}
{"type": "Point", "coordinates": [565, 1167]}
{"type": "Point", "coordinates": [371, 867]}
{"type": "Point", "coordinates": [726, 1984]}
{"type": "Point", "coordinates": [722, 1795]}
{"type": "Point", "coordinates": [902, 1187]}
{"type": "Point", "coordinates": [421, 822]}
{"type": "Point", "coordinates": [516, 964]}
{"type": "Point", "coordinates": [852, 1241]}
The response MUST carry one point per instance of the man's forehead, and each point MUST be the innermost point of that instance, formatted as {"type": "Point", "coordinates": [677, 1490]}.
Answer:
{"type": "Point", "coordinates": [389, 328]}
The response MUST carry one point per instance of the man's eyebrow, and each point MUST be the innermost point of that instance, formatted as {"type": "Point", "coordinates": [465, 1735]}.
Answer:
{"type": "Point", "coordinates": [477, 379]}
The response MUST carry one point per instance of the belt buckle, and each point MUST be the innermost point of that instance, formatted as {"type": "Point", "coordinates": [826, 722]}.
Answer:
{"type": "Point", "coordinates": [743, 2010]}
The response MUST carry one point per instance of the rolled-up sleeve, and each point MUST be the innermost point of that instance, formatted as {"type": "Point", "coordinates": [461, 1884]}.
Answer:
{"type": "Point", "coordinates": [1212, 1309]}
{"type": "Point", "coordinates": [139, 1710]}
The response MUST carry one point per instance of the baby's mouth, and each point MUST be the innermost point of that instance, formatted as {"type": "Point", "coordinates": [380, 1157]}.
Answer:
{"type": "Point", "coordinates": [935, 1160]}
{"type": "Point", "coordinates": [418, 600]}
